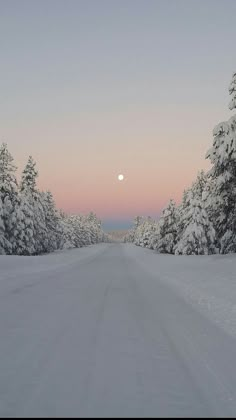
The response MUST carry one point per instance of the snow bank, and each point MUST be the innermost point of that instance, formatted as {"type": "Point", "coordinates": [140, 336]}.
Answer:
{"type": "Point", "coordinates": [18, 270]}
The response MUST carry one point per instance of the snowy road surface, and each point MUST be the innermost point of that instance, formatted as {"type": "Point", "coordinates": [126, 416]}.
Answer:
{"type": "Point", "coordinates": [106, 331]}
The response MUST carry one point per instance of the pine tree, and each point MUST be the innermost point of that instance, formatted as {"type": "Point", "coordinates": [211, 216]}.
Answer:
{"type": "Point", "coordinates": [2, 230]}
{"type": "Point", "coordinates": [93, 226]}
{"type": "Point", "coordinates": [199, 235]}
{"type": "Point", "coordinates": [8, 182]}
{"type": "Point", "coordinates": [131, 235]}
{"type": "Point", "coordinates": [150, 230]}
{"type": "Point", "coordinates": [143, 232]}
{"type": "Point", "coordinates": [67, 231]}
{"type": "Point", "coordinates": [223, 173]}
{"type": "Point", "coordinates": [29, 176]}
{"type": "Point", "coordinates": [168, 229]}
{"type": "Point", "coordinates": [54, 235]}
{"type": "Point", "coordinates": [29, 190]}
{"type": "Point", "coordinates": [21, 228]}
{"type": "Point", "coordinates": [232, 92]}
{"type": "Point", "coordinates": [8, 195]}
{"type": "Point", "coordinates": [197, 190]}
{"type": "Point", "coordinates": [154, 236]}
{"type": "Point", "coordinates": [138, 220]}
{"type": "Point", "coordinates": [182, 212]}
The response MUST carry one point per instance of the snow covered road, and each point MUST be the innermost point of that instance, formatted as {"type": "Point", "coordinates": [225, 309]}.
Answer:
{"type": "Point", "coordinates": [115, 330]}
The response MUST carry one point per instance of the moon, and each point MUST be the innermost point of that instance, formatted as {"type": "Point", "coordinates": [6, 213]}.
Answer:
{"type": "Point", "coordinates": [120, 177]}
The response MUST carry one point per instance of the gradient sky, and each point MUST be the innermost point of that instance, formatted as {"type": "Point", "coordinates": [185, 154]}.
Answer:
{"type": "Point", "coordinates": [93, 88]}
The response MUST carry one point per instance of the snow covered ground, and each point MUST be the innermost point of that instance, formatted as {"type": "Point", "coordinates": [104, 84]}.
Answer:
{"type": "Point", "coordinates": [117, 330]}
{"type": "Point", "coordinates": [207, 282]}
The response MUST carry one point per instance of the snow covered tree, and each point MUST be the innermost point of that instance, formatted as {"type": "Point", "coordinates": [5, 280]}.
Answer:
{"type": "Point", "coordinates": [131, 235]}
{"type": "Point", "coordinates": [208, 198]}
{"type": "Point", "coordinates": [198, 236]}
{"type": "Point", "coordinates": [8, 182]}
{"type": "Point", "coordinates": [143, 232]}
{"type": "Point", "coordinates": [53, 239]}
{"type": "Point", "coordinates": [76, 231]}
{"type": "Point", "coordinates": [28, 180]}
{"type": "Point", "coordinates": [232, 92]}
{"type": "Point", "coordinates": [138, 220]}
{"type": "Point", "coordinates": [223, 158]}
{"type": "Point", "coordinates": [196, 233]}
{"type": "Point", "coordinates": [67, 231]}
{"type": "Point", "coordinates": [154, 236]}
{"type": "Point", "coordinates": [16, 214]}
{"type": "Point", "coordinates": [2, 230]}
{"type": "Point", "coordinates": [30, 192]}
{"type": "Point", "coordinates": [168, 229]}
{"type": "Point", "coordinates": [199, 184]}
{"type": "Point", "coordinates": [8, 194]}
{"type": "Point", "coordinates": [150, 231]}
{"type": "Point", "coordinates": [182, 211]}
{"type": "Point", "coordinates": [83, 231]}
{"type": "Point", "coordinates": [93, 226]}
{"type": "Point", "coordinates": [21, 228]}
{"type": "Point", "coordinates": [197, 188]}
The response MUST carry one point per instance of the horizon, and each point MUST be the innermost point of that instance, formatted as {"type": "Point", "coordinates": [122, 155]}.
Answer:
{"type": "Point", "coordinates": [116, 225]}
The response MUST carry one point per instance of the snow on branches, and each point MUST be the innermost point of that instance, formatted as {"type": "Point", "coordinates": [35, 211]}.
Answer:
{"type": "Point", "coordinates": [30, 223]}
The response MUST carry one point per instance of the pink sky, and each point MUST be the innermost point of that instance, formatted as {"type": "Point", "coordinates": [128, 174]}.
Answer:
{"type": "Point", "coordinates": [159, 151]}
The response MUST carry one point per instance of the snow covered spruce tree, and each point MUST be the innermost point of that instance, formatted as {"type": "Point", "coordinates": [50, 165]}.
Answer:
{"type": "Point", "coordinates": [182, 211]}
{"type": "Point", "coordinates": [8, 193]}
{"type": "Point", "coordinates": [144, 232]}
{"type": "Point", "coordinates": [155, 236]}
{"type": "Point", "coordinates": [223, 174]}
{"type": "Point", "coordinates": [131, 235]}
{"type": "Point", "coordinates": [232, 92]}
{"type": "Point", "coordinates": [151, 232]}
{"type": "Point", "coordinates": [2, 230]}
{"type": "Point", "coordinates": [197, 234]}
{"type": "Point", "coordinates": [139, 231]}
{"type": "Point", "coordinates": [21, 224]}
{"type": "Point", "coordinates": [16, 214]}
{"type": "Point", "coordinates": [68, 231]}
{"type": "Point", "coordinates": [28, 188]}
{"type": "Point", "coordinates": [83, 231]}
{"type": "Point", "coordinates": [46, 220]}
{"type": "Point", "coordinates": [94, 228]}
{"type": "Point", "coordinates": [168, 229]}
{"type": "Point", "coordinates": [53, 238]}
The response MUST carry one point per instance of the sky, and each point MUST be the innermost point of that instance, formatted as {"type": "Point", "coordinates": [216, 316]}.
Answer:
{"type": "Point", "coordinates": [94, 88]}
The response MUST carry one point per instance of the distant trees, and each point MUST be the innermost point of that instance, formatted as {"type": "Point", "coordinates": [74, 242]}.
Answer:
{"type": "Point", "coordinates": [30, 223]}
{"type": "Point", "coordinates": [205, 220]}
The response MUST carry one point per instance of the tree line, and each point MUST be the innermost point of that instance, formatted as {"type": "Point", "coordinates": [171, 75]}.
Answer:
{"type": "Point", "coordinates": [30, 223]}
{"type": "Point", "coordinates": [205, 220]}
